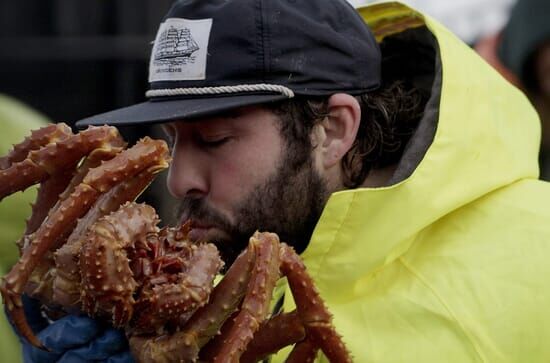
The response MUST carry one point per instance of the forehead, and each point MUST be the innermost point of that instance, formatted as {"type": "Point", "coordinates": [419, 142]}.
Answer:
{"type": "Point", "coordinates": [243, 117]}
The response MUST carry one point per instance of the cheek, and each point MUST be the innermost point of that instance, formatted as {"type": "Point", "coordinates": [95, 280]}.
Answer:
{"type": "Point", "coordinates": [226, 177]}
{"type": "Point", "coordinates": [237, 176]}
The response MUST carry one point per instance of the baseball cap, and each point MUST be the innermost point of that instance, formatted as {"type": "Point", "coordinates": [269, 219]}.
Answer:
{"type": "Point", "coordinates": [211, 56]}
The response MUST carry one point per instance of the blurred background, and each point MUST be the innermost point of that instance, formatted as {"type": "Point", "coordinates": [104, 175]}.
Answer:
{"type": "Point", "coordinates": [70, 59]}
{"type": "Point", "coordinates": [469, 19]}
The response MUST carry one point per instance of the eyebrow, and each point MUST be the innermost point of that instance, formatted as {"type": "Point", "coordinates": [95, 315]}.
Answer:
{"type": "Point", "coordinates": [232, 113]}
{"type": "Point", "coordinates": [229, 114]}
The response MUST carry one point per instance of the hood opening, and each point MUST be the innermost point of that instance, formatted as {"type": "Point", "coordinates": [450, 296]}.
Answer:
{"type": "Point", "coordinates": [413, 55]}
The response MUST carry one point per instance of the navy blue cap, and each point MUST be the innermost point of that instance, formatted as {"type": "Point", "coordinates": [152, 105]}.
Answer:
{"type": "Point", "coordinates": [211, 56]}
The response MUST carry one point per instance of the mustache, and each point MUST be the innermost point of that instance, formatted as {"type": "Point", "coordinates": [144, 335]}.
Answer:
{"type": "Point", "coordinates": [198, 209]}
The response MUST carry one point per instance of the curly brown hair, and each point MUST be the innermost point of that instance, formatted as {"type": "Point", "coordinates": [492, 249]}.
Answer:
{"type": "Point", "coordinates": [389, 117]}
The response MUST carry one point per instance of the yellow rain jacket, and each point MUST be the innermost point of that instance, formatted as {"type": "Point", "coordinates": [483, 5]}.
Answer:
{"type": "Point", "coordinates": [16, 121]}
{"type": "Point", "coordinates": [451, 262]}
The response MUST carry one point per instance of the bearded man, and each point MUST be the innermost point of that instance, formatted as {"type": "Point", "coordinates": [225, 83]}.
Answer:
{"type": "Point", "coordinates": [400, 166]}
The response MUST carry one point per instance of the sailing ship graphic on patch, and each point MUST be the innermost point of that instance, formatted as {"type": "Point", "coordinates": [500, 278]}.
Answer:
{"type": "Point", "coordinates": [175, 47]}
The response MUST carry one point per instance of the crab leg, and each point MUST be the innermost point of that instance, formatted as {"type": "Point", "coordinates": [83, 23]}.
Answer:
{"type": "Point", "coordinates": [49, 191]}
{"type": "Point", "coordinates": [107, 280]}
{"type": "Point", "coordinates": [127, 164]}
{"type": "Point", "coordinates": [256, 301]}
{"type": "Point", "coordinates": [46, 197]}
{"type": "Point", "coordinates": [66, 285]}
{"type": "Point", "coordinates": [311, 308]}
{"type": "Point", "coordinates": [303, 352]}
{"type": "Point", "coordinates": [41, 281]}
{"type": "Point", "coordinates": [264, 344]}
{"type": "Point", "coordinates": [39, 285]}
{"type": "Point", "coordinates": [184, 345]}
{"type": "Point", "coordinates": [56, 157]}
{"type": "Point", "coordinates": [46, 135]}
{"type": "Point", "coordinates": [59, 187]}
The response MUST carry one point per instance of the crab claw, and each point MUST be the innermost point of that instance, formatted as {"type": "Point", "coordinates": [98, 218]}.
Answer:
{"type": "Point", "coordinates": [16, 314]}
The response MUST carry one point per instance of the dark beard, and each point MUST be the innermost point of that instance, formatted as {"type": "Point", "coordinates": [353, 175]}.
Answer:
{"type": "Point", "coordinates": [289, 203]}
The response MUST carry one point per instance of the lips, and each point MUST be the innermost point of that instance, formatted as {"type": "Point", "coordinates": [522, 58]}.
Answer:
{"type": "Point", "coordinates": [200, 225]}
{"type": "Point", "coordinates": [204, 230]}
{"type": "Point", "coordinates": [199, 230]}
{"type": "Point", "coordinates": [198, 234]}
{"type": "Point", "coordinates": [195, 223]}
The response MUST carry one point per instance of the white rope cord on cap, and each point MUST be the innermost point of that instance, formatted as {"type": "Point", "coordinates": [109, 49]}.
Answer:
{"type": "Point", "coordinates": [166, 92]}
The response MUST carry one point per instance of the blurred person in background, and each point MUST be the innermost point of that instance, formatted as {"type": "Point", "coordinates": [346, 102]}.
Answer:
{"type": "Point", "coordinates": [16, 121]}
{"type": "Point", "coordinates": [468, 19]}
{"type": "Point", "coordinates": [521, 53]}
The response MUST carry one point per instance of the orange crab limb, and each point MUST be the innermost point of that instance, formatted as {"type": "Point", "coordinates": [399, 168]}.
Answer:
{"type": "Point", "coordinates": [204, 324]}
{"type": "Point", "coordinates": [225, 298]}
{"type": "Point", "coordinates": [107, 280]}
{"type": "Point", "coordinates": [59, 187]}
{"type": "Point", "coordinates": [66, 285]}
{"type": "Point", "coordinates": [303, 352]}
{"type": "Point", "coordinates": [40, 284]}
{"type": "Point", "coordinates": [46, 197]}
{"type": "Point", "coordinates": [311, 308]}
{"type": "Point", "coordinates": [246, 337]}
{"type": "Point", "coordinates": [256, 302]}
{"type": "Point", "coordinates": [268, 339]}
{"type": "Point", "coordinates": [46, 135]}
{"type": "Point", "coordinates": [127, 164]}
{"type": "Point", "coordinates": [42, 163]}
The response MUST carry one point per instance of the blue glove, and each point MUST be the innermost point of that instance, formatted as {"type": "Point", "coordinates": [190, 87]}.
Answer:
{"type": "Point", "coordinates": [73, 339]}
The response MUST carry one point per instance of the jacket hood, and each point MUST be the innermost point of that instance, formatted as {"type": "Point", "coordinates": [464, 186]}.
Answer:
{"type": "Point", "coordinates": [478, 134]}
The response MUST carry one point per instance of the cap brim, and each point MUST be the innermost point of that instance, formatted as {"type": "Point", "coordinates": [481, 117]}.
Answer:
{"type": "Point", "coordinates": [157, 111]}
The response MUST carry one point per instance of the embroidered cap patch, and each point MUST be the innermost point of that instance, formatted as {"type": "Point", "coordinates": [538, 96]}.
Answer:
{"type": "Point", "coordinates": [179, 52]}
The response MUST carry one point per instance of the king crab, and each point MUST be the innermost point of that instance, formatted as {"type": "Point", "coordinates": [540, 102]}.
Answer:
{"type": "Point", "coordinates": [89, 248]}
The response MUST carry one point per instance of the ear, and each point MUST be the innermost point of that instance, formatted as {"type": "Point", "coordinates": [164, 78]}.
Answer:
{"type": "Point", "coordinates": [339, 129]}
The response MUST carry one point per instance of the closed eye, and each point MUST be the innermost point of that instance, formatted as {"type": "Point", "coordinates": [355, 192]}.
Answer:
{"type": "Point", "coordinates": [214, 143]}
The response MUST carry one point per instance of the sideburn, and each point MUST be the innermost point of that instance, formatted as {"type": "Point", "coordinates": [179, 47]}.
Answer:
{"type": "Point", "coordinates": [289, 203]}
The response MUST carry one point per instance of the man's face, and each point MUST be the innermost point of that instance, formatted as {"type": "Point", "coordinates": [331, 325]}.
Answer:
{"type": "Point", "coordinates": [233, 175]}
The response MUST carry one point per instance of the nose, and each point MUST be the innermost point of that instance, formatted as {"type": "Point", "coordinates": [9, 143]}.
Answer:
{"type": "Point", "coordinates": [187, 175]}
